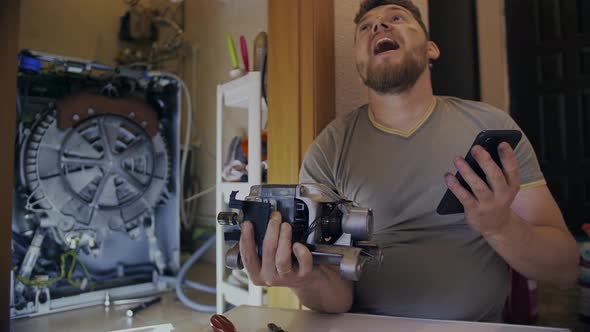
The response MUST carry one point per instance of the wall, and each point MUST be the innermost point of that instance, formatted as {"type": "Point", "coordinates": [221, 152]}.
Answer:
{"type": "Point", "coordinates": [209, 33]}
{"type": "Point", "coordinates": [87, 30]}
{"type": "Point", "coordinates": [350, 91]}
{"type": "Point", "coordinates": [492, 53]}
{"type": "Point", "coordinates": [68, 27]}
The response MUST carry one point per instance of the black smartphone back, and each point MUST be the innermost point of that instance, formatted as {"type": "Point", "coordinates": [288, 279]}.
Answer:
{"type": "Point", "coordinates": [489, 140]}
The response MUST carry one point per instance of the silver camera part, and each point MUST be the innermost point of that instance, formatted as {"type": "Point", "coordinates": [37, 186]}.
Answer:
{"type": "Point", "coordinates": [358, 222]}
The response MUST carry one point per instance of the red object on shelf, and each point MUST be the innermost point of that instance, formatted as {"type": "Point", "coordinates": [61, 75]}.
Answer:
{"type": "Point", "coordinates": [244, 47]}
{"type": "Point", "coordinates": [264, 141]}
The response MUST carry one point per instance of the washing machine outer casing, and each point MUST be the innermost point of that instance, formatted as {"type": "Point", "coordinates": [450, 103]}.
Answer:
{"type": "Point", "coordinates": [122, 247]}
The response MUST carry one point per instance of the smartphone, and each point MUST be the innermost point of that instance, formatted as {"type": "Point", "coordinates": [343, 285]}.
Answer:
{"type": "Point", "coordinates": [489, 140]}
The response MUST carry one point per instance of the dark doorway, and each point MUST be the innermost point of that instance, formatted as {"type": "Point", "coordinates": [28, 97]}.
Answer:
{"type": "Point", "coordinates": [453, 28]}
{"type": "Point", "coordinates": [549, 73]}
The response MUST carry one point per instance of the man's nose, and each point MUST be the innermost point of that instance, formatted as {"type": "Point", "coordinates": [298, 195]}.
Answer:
{"type": "Point", "coordinates": [380, 25]}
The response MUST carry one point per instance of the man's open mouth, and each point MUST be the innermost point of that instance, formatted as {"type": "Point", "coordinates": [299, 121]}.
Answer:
{"type": "Point", "coordinates": [384, 45]}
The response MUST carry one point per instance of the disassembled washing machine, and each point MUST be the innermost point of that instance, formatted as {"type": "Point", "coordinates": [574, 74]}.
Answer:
{"type": "Point", "coordinates": [336, 231]}
{"type": "Point", "coordinates": [96, 198]}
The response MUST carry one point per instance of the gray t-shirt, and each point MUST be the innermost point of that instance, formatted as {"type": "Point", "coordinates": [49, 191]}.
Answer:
{"type": "Point", "coordinates": [434, 266]}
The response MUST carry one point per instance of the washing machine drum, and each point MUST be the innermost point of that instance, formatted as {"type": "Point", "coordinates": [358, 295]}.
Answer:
{"type": "Point", "coordinates": [94, 165]}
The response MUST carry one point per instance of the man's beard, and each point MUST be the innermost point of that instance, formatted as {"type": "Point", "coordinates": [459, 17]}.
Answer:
{"type": "Point", "coordinates": [394, 79]}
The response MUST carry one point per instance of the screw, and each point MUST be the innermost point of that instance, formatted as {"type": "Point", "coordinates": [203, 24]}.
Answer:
{"type": "Point", "coordinates": [76, 117]}
{"type": "Point", "coordinates": [143, 124]}
{"type": "Point", "coordinates": [132, 115]}
{"type": "Point", "coordinates": [301, 190]}
{"type": "Point", "coordinates": [91, 111]}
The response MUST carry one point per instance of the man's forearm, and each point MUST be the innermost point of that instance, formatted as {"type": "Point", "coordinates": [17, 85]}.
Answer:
{"type": "Point", "coordinates": [327, 292]}
{"type": "Point", "coordinates": [540, 253]}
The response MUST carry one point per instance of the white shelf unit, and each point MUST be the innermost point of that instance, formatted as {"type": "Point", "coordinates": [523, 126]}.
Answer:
{"type": "Point", "coordinates": [240, 95]}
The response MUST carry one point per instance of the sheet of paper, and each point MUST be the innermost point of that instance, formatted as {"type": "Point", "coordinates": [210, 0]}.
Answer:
{"type": "Point", "coordinates": [153, 328]}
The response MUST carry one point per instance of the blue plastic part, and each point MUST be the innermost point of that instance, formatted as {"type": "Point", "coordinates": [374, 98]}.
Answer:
{"type": "Point", "coordinates": [148, 75]}
{"type": "Point", "coordinates": [29, 63]}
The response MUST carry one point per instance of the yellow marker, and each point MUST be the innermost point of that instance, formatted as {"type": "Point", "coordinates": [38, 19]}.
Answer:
{"type": "Point", "coordinates": [232, 52]}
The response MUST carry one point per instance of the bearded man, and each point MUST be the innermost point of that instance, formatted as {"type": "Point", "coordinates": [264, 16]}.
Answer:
{"type": "Point", "coordinates": [397, 155]}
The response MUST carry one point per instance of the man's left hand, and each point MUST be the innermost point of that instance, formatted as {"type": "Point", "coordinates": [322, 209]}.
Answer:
{"type": "Point", "coordinates": [488, 209]}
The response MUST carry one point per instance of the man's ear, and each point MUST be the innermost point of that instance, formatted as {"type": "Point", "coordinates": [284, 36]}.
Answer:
{"type": "Point", "coordinates": [432, 50]}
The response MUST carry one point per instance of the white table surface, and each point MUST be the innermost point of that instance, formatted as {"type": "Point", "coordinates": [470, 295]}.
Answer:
{"type": "Point", "coordinates": [255, 319]}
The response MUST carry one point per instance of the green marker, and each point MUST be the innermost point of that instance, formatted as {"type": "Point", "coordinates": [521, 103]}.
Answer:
{"type": "Point", "coordinates": [232, 51]}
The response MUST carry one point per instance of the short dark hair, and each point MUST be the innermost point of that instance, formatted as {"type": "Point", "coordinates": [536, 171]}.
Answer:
{"type": "Point", "coordinates": [367, 5]}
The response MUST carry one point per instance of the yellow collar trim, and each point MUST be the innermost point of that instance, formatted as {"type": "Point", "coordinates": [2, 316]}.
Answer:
{"type": "Point", "coordinates": [533, 184]}
{"type": "Point", "coordinates": [402, 133]}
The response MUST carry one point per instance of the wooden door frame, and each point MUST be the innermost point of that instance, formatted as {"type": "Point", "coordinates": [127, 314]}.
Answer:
{"type": "Point", "coordinates": [301, 93]}
{"type": "Point", "coordinates": [9, 23]}
{"type": "Point", "coordinates": [300, 80]}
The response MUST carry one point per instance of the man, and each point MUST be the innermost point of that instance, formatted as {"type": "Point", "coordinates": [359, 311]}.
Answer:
{"type": "Point", "coordinates": [391, 156]}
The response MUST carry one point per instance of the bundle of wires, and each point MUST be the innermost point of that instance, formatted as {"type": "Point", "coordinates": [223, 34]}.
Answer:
{"type": "Point", "coordinates": [63, 274]}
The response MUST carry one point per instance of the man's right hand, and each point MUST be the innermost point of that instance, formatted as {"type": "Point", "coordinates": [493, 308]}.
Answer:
{"type": "Point", "coordinates": [276, 268]}
{"type": "Point", "coordinates": [319, 287]}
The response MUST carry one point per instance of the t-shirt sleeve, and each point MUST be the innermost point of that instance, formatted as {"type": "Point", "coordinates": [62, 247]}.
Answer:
{"type": "Point", "coordinates": [530, 170]}
{"type": "Point", "coordinates": [316, 167]}
{"type": "Point", "coordinates": [320, 159]}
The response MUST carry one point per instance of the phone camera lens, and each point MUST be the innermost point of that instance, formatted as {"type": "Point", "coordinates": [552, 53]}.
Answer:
{"type": "Point", "coordinates": [489, 143]}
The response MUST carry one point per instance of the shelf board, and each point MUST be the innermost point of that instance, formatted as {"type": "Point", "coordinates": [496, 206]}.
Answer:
{"type": "Point", "coordinates": [237, 92]}
{"type": "Point", "coordinates": [233, 294]}
{"type": "Point", "coordinates": [241, 94]}
{"type": "Point", "coordinates": [237, 295]}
